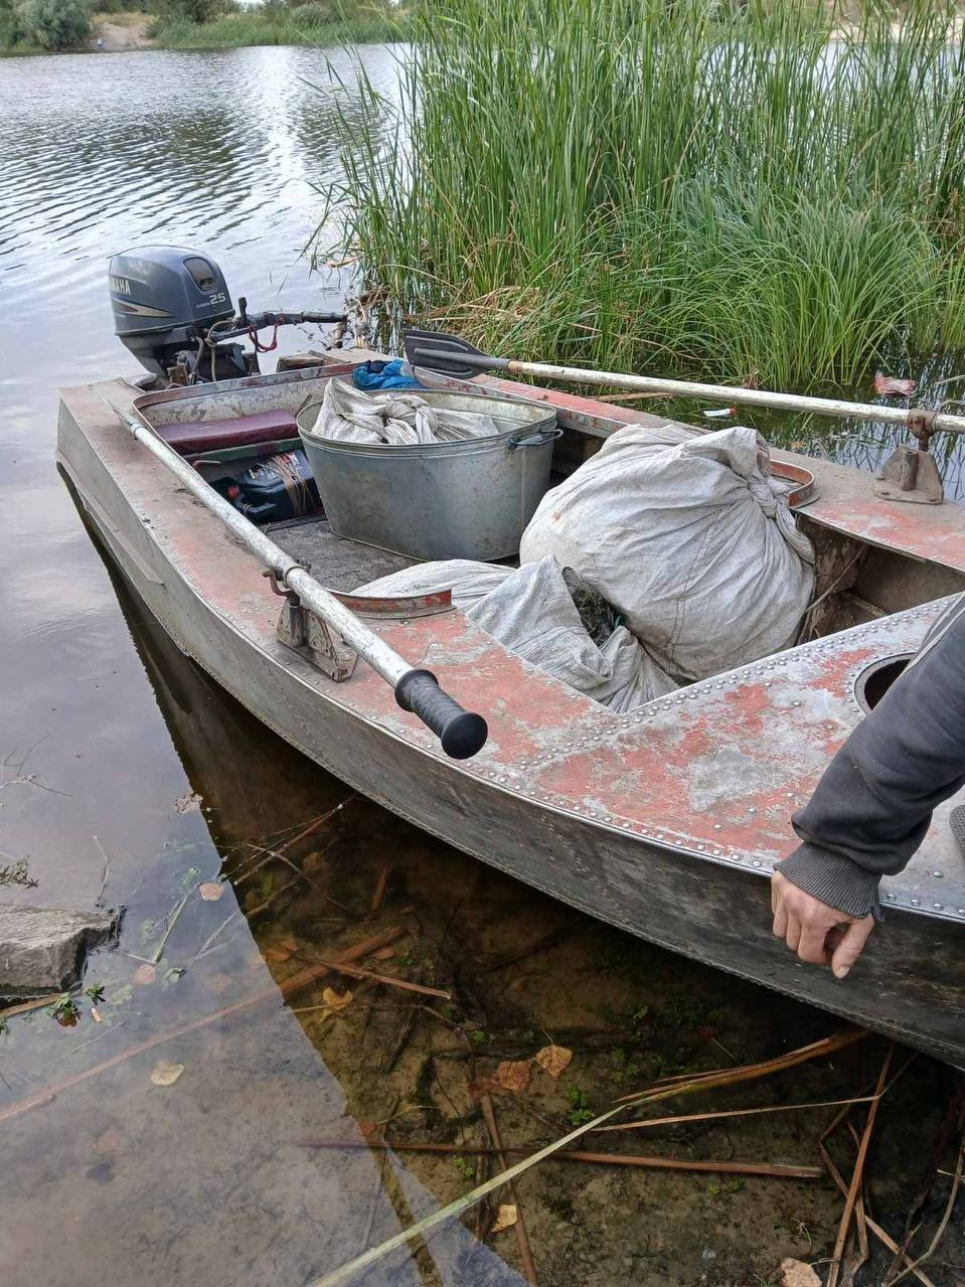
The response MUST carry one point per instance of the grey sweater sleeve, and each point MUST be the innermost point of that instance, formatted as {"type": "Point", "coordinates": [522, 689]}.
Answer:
{"type": "Point", "coordinates": [870, 811]}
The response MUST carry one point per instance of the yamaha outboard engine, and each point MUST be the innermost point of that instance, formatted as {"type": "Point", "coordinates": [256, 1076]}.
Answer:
{"type": "Point", "coordinates": [165, 301]}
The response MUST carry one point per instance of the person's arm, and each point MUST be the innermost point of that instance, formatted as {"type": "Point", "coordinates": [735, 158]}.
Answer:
{"type": "Point", "coordinates": [872, 808]}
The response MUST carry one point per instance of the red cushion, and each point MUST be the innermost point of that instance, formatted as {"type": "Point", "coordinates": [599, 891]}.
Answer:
{"type": "Point", "coordinates": [240, 431]}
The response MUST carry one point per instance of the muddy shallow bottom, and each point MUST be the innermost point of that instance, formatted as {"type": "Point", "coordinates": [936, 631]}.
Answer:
{"type": "Point", "coordinates": [177, 1139]}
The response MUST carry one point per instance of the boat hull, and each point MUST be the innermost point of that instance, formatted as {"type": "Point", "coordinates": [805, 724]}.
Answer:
{"type": "Point", "coordinates": [910, 984]}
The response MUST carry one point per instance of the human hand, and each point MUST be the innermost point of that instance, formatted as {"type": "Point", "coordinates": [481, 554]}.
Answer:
{"type": "Point", "coordinates": [818, 933]}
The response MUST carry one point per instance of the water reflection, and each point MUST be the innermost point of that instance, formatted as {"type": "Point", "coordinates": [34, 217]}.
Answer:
{"type": "Point", "coordinates": [223, 150]}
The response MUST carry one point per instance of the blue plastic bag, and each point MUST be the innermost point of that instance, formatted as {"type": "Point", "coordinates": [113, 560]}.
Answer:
{"type": "Point", "coordinates": [384, 375]}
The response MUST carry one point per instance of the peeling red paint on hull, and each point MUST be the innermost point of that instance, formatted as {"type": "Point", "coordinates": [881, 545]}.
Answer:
{"type": "Point", "coordinates": [664, 822]}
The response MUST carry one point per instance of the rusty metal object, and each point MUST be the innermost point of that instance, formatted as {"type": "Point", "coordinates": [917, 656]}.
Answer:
{"type": "Point", "coordinates": [804, 490]}
{"type": "Point", "coordinates": [308, 635]}
{"type": "Point", "coordinates": [397, 607]}
{"type": "Point", "coordinates": [910, 473]}
{"type": "Point", "coordinates": [305, 633]}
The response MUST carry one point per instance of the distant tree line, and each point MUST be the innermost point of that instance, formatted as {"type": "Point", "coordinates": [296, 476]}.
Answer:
{"type": "Point", "coordinates": [310, 12]}
{"type": "Point", "coordinates": [67, 24]}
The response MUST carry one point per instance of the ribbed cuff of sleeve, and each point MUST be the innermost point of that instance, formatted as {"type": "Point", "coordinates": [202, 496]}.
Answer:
{"type": "Point", "coordinates": [834, 879]}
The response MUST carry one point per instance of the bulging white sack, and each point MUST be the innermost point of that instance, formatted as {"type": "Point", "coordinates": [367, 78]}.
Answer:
{"type": "Point", "coordinates": [467, 579]}
{"type": "Point", "coordinates": [690, 538]}
{"type": "Point", "coordinates": [394, 419]}
{"type": "Point", "coordinates": [531, 611]}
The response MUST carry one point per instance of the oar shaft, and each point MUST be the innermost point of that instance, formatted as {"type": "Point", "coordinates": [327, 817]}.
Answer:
{"type": "Point", "coordinates": [461, 732]}
{"type": "Point", "coordinates": [838, 407]}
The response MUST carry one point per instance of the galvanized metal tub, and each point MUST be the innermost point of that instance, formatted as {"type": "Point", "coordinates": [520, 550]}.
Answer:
{"type": "Point", "coordinates": [470, 499]}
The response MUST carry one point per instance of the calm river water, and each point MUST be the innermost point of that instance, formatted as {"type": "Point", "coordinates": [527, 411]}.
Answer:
{"type": "Point", "coordinates": [160, 1135]}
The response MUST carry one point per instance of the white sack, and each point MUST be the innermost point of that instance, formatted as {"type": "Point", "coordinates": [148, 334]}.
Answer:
{"type": "Point", "coordinates": [530, 611]}
{"type": "Point", "coordinates": [395, 418]}
{"type": "Point", "coordinates": [534, 615]}
{"type": "Point", "coordinates": [467, 579]}
{"type": "Point", "coordinates": [690, 538]}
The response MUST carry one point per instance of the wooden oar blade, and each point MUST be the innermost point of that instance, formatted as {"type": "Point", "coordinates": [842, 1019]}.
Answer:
{"type": "Point", "coordinates": [447, 354]}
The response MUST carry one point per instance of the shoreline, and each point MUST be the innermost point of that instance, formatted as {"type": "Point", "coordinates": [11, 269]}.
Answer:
{"type": "Point", "coordinates": [124, 32]}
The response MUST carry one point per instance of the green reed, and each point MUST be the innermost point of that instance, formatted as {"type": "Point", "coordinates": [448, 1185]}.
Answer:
{"type": "Point", "coordinates": [671, 185]}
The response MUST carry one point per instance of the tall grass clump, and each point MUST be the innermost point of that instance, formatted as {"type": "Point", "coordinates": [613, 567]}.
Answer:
{"type": "Point", "coordinates": [730, 190]}
{"type": "Point", "coordinates": [43, 26]}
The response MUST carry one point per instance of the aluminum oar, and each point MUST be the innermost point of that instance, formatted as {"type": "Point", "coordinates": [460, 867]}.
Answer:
{"type": "Point", "coordinates": [450, 355]}
{"type": "Point", "coordinates": [461, 732]}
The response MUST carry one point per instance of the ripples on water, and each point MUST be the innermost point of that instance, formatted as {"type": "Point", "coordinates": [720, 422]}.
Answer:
{"type": "Point", "coordinates": [224, 151]}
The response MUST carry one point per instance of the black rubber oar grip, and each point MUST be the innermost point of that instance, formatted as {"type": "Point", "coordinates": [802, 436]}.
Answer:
{"type": "Point", "coordinates": [461, 733]}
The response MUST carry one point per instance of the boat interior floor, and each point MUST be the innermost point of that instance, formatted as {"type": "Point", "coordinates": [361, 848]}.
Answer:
{"type": "Point", "coordinates": [338, 564]}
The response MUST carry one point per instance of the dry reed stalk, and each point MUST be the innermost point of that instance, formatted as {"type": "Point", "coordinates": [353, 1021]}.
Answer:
{"type": "Point", "coordinates": [387, 979]}
{"type": "Point", "coordinates": [22, 1007]}
{"type": "Point", "coordinates": [519, 1228]}
{"type": "Point", "coordinates": [855, 1185]}
{"type": "Point", "coordinates": [881, 1234]}
{"type": "Point", "coordinates": [380, 885]}
{"type": "Point", "coordinates": [169, 928]}
{"type": "Point", "coordinates": [206, 945]}
{"type": "Point", "coordinates": [770, 1170]}
{"type": "Point", "coordinates": [749, 1072]}
{"type": "Point", "coordinates": [943, 1225]}
{"type": "Point", "coordinates": [731, 1112]}
{"type": "Point", "coordinates": [309, 830]}
{"type": "Point", "coordinates": [861, 1223]}
{"type": "Point", "coordinates": [313, 884]}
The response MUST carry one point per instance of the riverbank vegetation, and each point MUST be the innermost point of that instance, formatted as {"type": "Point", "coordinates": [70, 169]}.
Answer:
{"type": "Point", "coordinates": [41, 26]}
{"type": "Point", "coordinates": [44, 26]}
{"type": "Point", "coordinates": [757, 192]}
{"type": "Point", "coordinates": [316, 22]}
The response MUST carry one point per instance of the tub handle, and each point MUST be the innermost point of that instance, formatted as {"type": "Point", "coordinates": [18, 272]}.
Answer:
{"type": "Point", "coordinates": [546, 433]}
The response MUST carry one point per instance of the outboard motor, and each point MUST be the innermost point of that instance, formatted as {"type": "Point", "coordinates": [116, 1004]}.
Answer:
{"type": "Point", "coordinates": [165, 300]}
{"type": "Point", "coordinates": [172, 310]}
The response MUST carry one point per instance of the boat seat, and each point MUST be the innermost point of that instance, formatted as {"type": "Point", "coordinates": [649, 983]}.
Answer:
{"type": "Point", "coordinates": [239, 431]}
